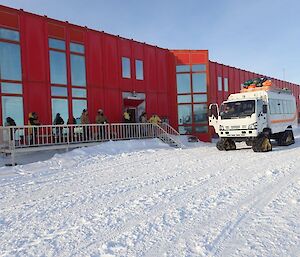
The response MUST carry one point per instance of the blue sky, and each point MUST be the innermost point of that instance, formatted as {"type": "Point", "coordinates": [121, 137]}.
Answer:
{"type": "Point", "coordinates": [258, 35]}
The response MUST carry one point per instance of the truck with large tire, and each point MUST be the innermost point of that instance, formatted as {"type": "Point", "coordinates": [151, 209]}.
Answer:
{"type": "Point", "coordinates": [259, 113]}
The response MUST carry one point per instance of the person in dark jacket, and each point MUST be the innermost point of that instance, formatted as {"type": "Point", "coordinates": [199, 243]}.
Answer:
{"type": "Point", "coordinates": [58, 121]}
{"type": "Point", "coordinates": [11, 123]}
{"type": "Point", "coordinates": [33, 120]}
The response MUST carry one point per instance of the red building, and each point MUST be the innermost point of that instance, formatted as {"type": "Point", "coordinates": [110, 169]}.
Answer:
{"type": "Point", "coordinates": [48, 66]}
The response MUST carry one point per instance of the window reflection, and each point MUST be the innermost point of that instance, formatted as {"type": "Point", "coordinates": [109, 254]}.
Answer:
{"type": "Point", "coordinates": [183, 83]}
{"type": "Point", "coordinates": [201, 129]}
{"type": "Point", "coordinates": [58, 71]}
{"type": "Point", "coordinates": [9, 34]}
{"type": "Point", "coordinates": [139, 70]}
{"type": "Point", "coordinates": [184, 99]}
{"type": "Point", "coordinates": [220, 83]}
{"type": "Point", "coordinates": [126, 67]}
{"type": "Point", "coordinates": [60, 106]}
{"type": "Point", "coordinates": [12, 106]}
{"type": "Point", "coordinates": [59, 91]}
{"type": "Point", "coordinates": [78, 70]}
{"type": "Point", "coordinates": [226, 84]}
{"type": "Point", "coordinates": [76, 92]}
{"type": "Point", "coordinates": [57, 44]}
{"type": "Point", "coordinates": [11, 88]}
{"type": "Point", "coordinates": [200, 98]}
{"type": "Point", "coordinates": [198, 67]}
{"type": "Point", "coordinates": [183, 130]}
{"type": "Point", "coordinates": [200, 113]}
{"type": "Point", "coordinates": [77, 48]}
{"type": "Point", "coordinates": [10, 61]}
{"type": "Point", "coordinates": [78, 106]}
{"type": "Point", "coordinates": [199, 83]}
{"type": "Point", "coordinates": [185, 114]}
{"type": "Point", "coordinates": [182, 68]}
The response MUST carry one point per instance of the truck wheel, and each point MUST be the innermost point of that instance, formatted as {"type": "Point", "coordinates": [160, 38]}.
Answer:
{"type": "Point", "coordinates": [249, 142]}
{"type": "Point", "coordinates": [286, 138]}
{"type": "Point", "coordinates": [262, 144]}
{"type": "Point", "coordinates": [220, 145]}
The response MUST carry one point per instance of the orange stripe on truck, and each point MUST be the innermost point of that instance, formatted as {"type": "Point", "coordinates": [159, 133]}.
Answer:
{"type": "Point", "coordinates": [286, 120]}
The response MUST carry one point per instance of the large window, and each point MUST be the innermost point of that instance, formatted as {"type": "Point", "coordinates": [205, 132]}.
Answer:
{"type": "Point", "coordinates": [192, 98]}
{"type": "Point", "coordinates": [58, 68]}
{"type": "Point", "coordinates": [78, 70]}
{"type": "Point", "coordinates": [64, 90]}
{"type": "Point", "coordinates": [126, 68]}
{"type": "Point", "coordinates": [139, 70]}
{"type": "Point", "coordinates": [11, 76]}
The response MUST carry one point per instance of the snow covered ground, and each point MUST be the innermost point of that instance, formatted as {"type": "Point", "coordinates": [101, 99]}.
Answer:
{"type": "Point", "coordinates": [142, 198]}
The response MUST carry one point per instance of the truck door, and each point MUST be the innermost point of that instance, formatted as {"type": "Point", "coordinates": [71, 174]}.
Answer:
{"type": "Point", "coordinates": [213, 116]}
{"type": "Point", "coordinates": [262, 111]}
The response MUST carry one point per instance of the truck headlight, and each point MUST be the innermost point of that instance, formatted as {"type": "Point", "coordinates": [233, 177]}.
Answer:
{"type": "Point", "coordinates": [253, 126]}
{"type": "Point", "coordinates": [221, 127]}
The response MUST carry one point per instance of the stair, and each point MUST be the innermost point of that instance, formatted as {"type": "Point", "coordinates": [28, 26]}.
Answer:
{"type": "Point", "coordinates": [166, 137]}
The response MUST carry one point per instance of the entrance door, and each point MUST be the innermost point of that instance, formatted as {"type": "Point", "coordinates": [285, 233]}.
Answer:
{"type": "Point", "coordinates": [132, 113]}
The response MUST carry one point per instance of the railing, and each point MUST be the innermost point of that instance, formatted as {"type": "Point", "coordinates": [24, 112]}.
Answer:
{"type": "Point", "coordinates": [19, 137]}
{"type": "Point", "coordinates": [170, 130]}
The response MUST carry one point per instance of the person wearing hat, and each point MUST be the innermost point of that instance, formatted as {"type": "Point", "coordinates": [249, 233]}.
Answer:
{"type": "Point", "coordinates": [84, 119]}
{"type": "Point", "coordinates": [100, 117]}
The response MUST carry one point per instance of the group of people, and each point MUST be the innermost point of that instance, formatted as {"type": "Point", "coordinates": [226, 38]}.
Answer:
{"type": "Point", "coordinates": [142, 118]}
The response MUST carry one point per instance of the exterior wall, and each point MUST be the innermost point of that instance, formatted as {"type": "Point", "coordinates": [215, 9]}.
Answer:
{"type": "Point", "coordinates": [103, 54]}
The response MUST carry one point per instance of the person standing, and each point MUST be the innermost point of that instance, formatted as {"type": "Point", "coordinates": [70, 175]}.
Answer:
{"type": "Point", "coordinates": [33, 120]}
{"type": "Point", "coordinates": [101, 119]}
{"type": "Point", "coordinates": [144, 128]}
{"type": "Point", "coordinates": [11, 123]}
{"type": "Point", "coordinates": [155, 119]}
{"type": "Point", "coordinates": [84, 119]}
{"type": "Point", "coordinates": [58, 121]}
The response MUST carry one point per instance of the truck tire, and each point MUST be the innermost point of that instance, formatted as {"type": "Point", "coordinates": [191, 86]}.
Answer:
{"type": "Point", "coordinates": [225, 144]}
{"type": "Point", "coordinates": [262, 144]}
{"type": "Point", "coordinates": [286, 138]}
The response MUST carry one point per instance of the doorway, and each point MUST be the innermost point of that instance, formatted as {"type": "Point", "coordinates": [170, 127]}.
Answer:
{"type": "Point", "coordinates": [135, 104]}
{"type": "Point", "coordinates": [132, 113]}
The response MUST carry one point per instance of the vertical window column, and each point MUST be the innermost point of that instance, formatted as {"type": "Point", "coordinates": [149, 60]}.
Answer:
{"type": "Point", "coordinates": [11, 77]}
{"type": "Point", "coordinates": [58, 78]}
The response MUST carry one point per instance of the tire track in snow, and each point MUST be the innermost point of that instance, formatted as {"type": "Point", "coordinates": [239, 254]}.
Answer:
{"type": "Point", "coordinates": [261, 199]}
{"type": "Point", "coordinates": [180, 198]}
{"type": "Point", "coordinates": [181, 230]}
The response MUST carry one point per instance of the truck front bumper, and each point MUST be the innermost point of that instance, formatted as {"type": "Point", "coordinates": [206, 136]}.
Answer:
{"type": "Point", "coordinates": [246, 133]}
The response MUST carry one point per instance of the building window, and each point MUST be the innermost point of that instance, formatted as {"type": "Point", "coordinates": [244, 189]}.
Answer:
{"type": "Point", "coordinates": [60, 106]}
{"type": "Point", "coordinates": [126, 68]}
{"type": "Point", "coordinates": [184, 98]}
{"type": "Point", "coordinates": [57, 44]}
{"type": "Point", "coordinates": [220, 87]}
{"type": "Point", "coordinates": [200, 113]}
{"type": "Point", "coordinates": [78, 106]}
{"type": "Point", "coordinates": [139, 70]}
{"type": "Point", "coordinates": [77, 48]}
{"type": "Point", "coordinates": [12, 106]}
{"type": "Point", "coordinates": [199, 83]}
{"type": "Point", "coordinates": [184, 114]}
{"type": "Point", "coordinates": [198, 67]}
{"type": "Point", "coordinates": [183, 83]}
{"type": "Point", "coordinates": [200, 98]}
{"type": "Point", "coordinates": [185, 130]}
{"type": "Point", "coordinates": [226, 84]}
{"type": "Point", "coordinates": [11, 88]}
{"type": "Point", "coordinates": [78, 70]}
{"type": "Point", "coordinates": [10, 61]}
{"type": "Point", "coordinates": [58, 68]}
{"type": "Point", "coordinates": [9, 34]}
{"type": "Point", "coordinates": [78, 92]}
{"type": "Point", "coordinates": [183, 68]}
{"type": "Point", "coordinates": [11, 76]}
{"type": "Point", "coordinates": [59, 91]}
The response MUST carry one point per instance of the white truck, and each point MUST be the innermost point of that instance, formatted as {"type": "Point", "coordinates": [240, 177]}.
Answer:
{"type": "Point", "coordinates": [255, 116]}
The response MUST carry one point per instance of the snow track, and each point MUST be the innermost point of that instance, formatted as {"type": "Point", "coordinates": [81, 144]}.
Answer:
{"type": "Point", "coordinates": [166, 202]}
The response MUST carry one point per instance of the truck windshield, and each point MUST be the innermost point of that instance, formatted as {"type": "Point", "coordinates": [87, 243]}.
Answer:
{"type": "Point", "coordinates": [239, 109]}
